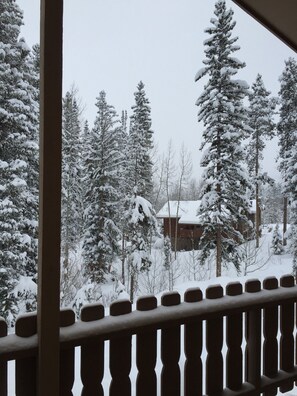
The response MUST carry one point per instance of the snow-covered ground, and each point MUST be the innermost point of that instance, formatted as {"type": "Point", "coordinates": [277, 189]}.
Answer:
{"type": "Point", "coordinates": [258, 264]}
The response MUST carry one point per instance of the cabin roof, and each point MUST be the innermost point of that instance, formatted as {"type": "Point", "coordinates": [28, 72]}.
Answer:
{"type": "Point", "coordinates": [187, 211]}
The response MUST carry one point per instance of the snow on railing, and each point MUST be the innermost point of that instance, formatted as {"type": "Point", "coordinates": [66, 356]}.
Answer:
{"type": "Point", "coordinates": [231, 344]}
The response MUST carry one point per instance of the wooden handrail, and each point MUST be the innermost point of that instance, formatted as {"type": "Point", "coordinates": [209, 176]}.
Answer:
{"type": "Point", "coordinates": [12, 346]}
{"type": "Point", "coordinates": [254, 318]}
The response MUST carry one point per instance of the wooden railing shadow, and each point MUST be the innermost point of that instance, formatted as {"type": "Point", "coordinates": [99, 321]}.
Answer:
{"type": "Point", "coordinates": [255, 327]}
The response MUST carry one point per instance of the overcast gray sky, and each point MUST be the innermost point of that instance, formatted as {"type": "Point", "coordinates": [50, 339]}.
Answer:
{"type": "Point", "coordinates": [113, 44]}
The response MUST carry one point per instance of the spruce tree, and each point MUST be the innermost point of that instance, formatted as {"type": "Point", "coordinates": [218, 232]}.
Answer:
{"type": "Point", "coordinates": [262, 128]}
{"type": "Point", "coordinates": [72, 208]}
{"type": "Point", "coordinates": [287, 127]}
{"type": "Point", "coordinates": [101, 195]}
{"type": "Point", "coordinates": [140, 229]}
{"type": "Point", "coordinates": [273, 203]}
{"type": "Point", "coordinates": [225, 198]}
{"type": "Point", "coordinates": [140, 146]}
{"type": "Point", "coordinates": [141, 224]}
{"type": "Point", "coordinates": [18, 156]}
{"type": "Point", "coordinates": [276, 246]}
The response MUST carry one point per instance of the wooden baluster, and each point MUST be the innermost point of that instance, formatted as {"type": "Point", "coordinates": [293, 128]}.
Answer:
{"type": "Point", "coordinates": [170, 352]}
{"type": "Point", "coordinates": [146, 353]}
{"type": "Point", "coordinates": [26, 369]}
{"type": "Point", "coordinates": [67, 318]}
{"type": "Point", "coordinates": [3, 365]}
{"type": "Point", "coordinates": [234, 339]}
{"type": "Point", "coordinates": [214, 343]}
{"type": "Point", "coordinates": [287, 338]}
{"type": "Point", "coordinates": [92, 355]}
{"type": "Point", "coordinates": [193, 349]}
{"type": "Point", "coordinates": [120, 355]}
{"type": "Point", "coordinates": [270, 328]}
{"type": "Point", "coordinates": [253, 340]}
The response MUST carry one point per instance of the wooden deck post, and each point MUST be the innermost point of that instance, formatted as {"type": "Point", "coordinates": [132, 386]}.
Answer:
{"type": "Point", "coordinates": [50, 196]}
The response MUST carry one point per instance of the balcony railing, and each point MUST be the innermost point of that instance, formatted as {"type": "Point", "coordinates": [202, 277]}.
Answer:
{"type": "Point", "coordinates": [233, 343]}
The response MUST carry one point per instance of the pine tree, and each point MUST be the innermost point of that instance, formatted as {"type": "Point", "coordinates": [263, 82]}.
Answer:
{"type": "Point", "coordinates": [139, 186]}
{"type": "Point", "coordinates": [140, 146]}
{"type": "Point", "coordinates": [225, 199]}
{"type": "Point", "coordinates": [277, 245]}
{"type": "Point", "coordinates": [101, 195]}
{"type": "Point", "coordinates": [72, 208]}
{"type": "Point", "coordinates": [18, 156]}
{"type": "Point", "coordinates": [123, 189]}
{"type": "Point", "coordinates": [286, 127]}
{"type": "Point", "coordinates": [273, 203]}
{"type": "Point", "coordinates": [141, 224]}
{"type": "Point", "coordinates": [260, 121]}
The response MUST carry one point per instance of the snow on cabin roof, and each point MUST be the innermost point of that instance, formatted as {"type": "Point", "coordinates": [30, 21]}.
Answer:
{"type": "Point", "coordinates": [187, 211]}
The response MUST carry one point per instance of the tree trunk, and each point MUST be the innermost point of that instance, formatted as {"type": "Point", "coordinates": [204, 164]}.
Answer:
{"type": "Point", "coordinates": [257, 219]}
{"type": "Point", "coordinates": [219, 253]}
{"type": "Point", "coordinates": [285, 219]}
{"type": "Point", "coordinates": [257, 193]}
{"type": "Point", "coordinates": [132, 288]}
{"type": "Point", "coordinates": [123, 259]}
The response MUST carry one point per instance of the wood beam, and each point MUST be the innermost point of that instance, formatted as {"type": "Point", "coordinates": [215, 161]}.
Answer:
{"type": "Point", "coordinates": [280, 17]}
{"type": "Point", "coordinates": [50, 196]}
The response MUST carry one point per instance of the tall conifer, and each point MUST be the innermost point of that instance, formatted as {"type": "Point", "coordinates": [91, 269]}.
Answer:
{"type": "Point", "coordinates": [262, 128]}
{"type": "Point", "coordinates": [101, 195]}
{"type": "Point", "coordinates": [140, 145]}
{"type": "Point", "coordinates": [72, 207]}
{"type": "Point", "coordinates": [287, 127]}
{"type": "Point", "coordinates": [225, 200]}
{"type": "Point", "coordinates": [18, 156]}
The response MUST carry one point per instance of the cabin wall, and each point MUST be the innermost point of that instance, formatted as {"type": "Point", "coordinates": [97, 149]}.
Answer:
{"type": "Point", "coordinates": [188, 235]}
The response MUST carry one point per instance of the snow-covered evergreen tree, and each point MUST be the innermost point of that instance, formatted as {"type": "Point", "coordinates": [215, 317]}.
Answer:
{"type": "Point", "coordinates": [72, 207]}
{"type": "Point", "coordinates": [101, 195]}
{"type": "Point", "coordinates": [277, 244]}
{"type": "Point", "coordinates": [138, 184]}
{"type": "Point", "coordinates": [140, 146]}
{"type": "Point", "coordinates": [273, 203]}
{"type": "Point", "coordinates": [141, 224]}
{"type": "Point", "coordinates": [225, 199]}
{"type": "Point", "coordinates": [262, 128]}
{"type": "Point", "coordinates": [287, 127]}
{"type": "Point", "coordinates": [18, 156]}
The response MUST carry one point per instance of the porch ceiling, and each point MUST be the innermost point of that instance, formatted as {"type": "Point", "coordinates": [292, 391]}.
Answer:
{"type": "Point", "coordinates": [280, 17]}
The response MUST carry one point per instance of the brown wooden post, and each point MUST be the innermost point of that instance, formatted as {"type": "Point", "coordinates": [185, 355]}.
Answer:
{"type": "Point", "coordinates": [270, 328]}
{"type": "Point", "coordinates": [146, 353]}
{"type": "Point", "coordinates": [120, 355]}
{"type": "Point", "coordinates": [234, 341]}
{"type": "Point", "coordinates": [3, 365]}
{"type": "Point", "coordinates": [67, 318]}
{"type": "Point", "coordinates": [253, 340]}
{"type": "Point", "coordinates": [287, 338]}
{"type": "Point", "coordinates": [92, 355]}
{"type": "Point", "coordinates": [50, 196]}
{"type": "Point", "coordinates": [25, 376]}
{"type": "Point", "coordinates": [193, 349]}
{"type": "Point", "coordinates": [214, 343]}
{"type": "Point", "coordinates": [170, 352]}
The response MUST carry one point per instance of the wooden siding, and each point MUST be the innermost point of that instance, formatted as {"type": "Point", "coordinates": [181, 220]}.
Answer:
{"type": "Point", "coordinates": [188, 235]}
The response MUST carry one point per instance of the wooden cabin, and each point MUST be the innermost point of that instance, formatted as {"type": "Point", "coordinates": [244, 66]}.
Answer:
{"type": "Point", "coordinates": [183, 218]}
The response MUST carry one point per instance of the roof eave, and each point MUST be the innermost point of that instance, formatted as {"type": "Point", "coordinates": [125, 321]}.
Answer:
{"type": "Point", "coordinates": [277, 16]}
